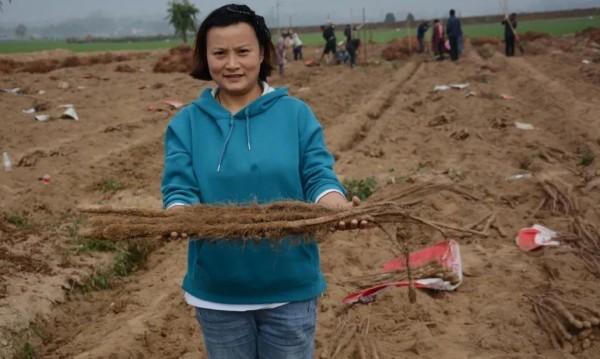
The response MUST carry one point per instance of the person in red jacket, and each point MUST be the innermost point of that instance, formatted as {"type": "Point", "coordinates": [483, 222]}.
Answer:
{"type": "Point", "coordinates": [437, 39]}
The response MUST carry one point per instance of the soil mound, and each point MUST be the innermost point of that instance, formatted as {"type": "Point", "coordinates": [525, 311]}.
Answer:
{"type": "Point", "coordinates": [41, 65]}
{"type": "Point", "coordinates": [398, 49]}
{"type": "Point", "coordinates": [8, 65]}
{"type": "Point", "coordinates": [480, 41]}
{"type": "Point", "coordinates": [592, 33]}
{"type": "Point", "coordinates": [125, 68]}
{"type": "Point", "coordinates": [179, 59]}
{"type": "Point", "coordinates": [533, 36]}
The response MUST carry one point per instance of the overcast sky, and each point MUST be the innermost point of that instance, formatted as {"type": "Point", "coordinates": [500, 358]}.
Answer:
{"type": "Point", "coordinates": [300, 11]}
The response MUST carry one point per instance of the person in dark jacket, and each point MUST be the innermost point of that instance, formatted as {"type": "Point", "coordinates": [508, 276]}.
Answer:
{"type": "Point", "coordinates": [330, 41]}
{"type": "Point", "coordinates": [352, 43]}
{"type": "Point", "coordinates": [421, 30]}
{"type": "Point", "coordinates": [454, 32]}
{"type": "Point", "coordinates": [510, 36]}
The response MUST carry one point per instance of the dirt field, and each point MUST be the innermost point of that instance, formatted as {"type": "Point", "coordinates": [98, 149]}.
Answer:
{"type": "Point", "coordinates": [381, 119]}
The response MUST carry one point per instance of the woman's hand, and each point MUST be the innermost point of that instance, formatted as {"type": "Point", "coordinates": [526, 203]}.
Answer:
{"type": "Point", "coordinates": [175, 235]}
{"type": "Point", "coordinates": [335, 200]}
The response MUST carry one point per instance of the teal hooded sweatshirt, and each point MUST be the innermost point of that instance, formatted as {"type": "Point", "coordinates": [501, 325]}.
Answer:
{"type": "Point", "coordinates": [271, 150]}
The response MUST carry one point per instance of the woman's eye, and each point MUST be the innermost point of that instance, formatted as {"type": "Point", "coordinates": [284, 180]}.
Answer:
{"type": "Point", "coordinates": [244, 51]}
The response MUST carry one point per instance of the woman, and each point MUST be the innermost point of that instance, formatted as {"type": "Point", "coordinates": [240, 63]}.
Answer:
{"type": "Point", "coordinates": [280, 54]}
{"type": "Point", "coordinates": [246, 142]}
{"type": "Point", "coordinates": [437, 39]}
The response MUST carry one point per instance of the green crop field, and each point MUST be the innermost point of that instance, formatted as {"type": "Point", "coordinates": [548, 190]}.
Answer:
{"type": "Point", "coordinates": [41, 45]}
{"type": "Point", "coordinates": [553, 26]}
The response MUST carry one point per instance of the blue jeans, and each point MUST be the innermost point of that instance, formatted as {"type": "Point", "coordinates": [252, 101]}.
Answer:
{"type": "Point", "coordinates": [286, 332]}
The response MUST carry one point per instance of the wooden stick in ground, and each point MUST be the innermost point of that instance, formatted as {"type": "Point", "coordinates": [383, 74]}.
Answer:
{"type": "Point", "coordinates": [403, 241]}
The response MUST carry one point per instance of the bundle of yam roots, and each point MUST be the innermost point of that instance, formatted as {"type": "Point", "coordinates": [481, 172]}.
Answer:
{"type": "Point", "coordinates": [431, 269]}
{"type": "Point", "coordinates": [584, 235]}
{"type": "Point", "coordinates": [272, 221]}
{"type": "Point", "coordinates": [250, 222]}
{"type": "Point", "coordinates": [570, 326]}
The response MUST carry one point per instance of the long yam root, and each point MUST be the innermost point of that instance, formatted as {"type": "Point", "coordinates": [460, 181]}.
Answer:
{"type": "Point", "coordinates": [545, 324]}
{"type": "Point", "coordinates": [560, 308]}
{"type": "Point", "coordinates": [273, 221]}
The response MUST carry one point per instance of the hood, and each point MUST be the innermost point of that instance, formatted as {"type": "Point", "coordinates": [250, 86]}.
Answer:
{"type": "Point", "coordinates": [207, 103]}
{"type": "Point", "coordinates": [226, 121]}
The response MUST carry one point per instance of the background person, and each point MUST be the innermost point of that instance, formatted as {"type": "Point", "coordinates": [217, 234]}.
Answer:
{"type": "Point", "coordinates": [280, 54]}
{"type": "Point", "coordinates": [421, 31]}
{"type": "Point", "coordinates": [289, 43]}
{"type": "Point", "coordinates": [437, 39]}
{"type": "Point", "coordinates": [350, 45]}
{"type": "Point", "coordinates": [454, 31]}
{"type": "Point", "coordinates": [330, 42]}
{"type": "Point", "coordinates": [297, 46]}
{"type": "Point", "coordinates": [510, 36]}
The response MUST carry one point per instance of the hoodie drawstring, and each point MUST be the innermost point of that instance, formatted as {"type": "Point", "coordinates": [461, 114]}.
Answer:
{"type": "Point", "coordinates": [248, 128]}
{"type": "Point", "coordinates": [227, 138]}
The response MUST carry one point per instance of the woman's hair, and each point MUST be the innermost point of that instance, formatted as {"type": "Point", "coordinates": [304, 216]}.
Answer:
{"type": "Point", "coordinates": [230, 15]}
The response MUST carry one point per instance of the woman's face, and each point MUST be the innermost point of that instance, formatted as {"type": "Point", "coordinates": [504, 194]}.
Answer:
{"type": "Point", "coordinates": [234, 57]}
